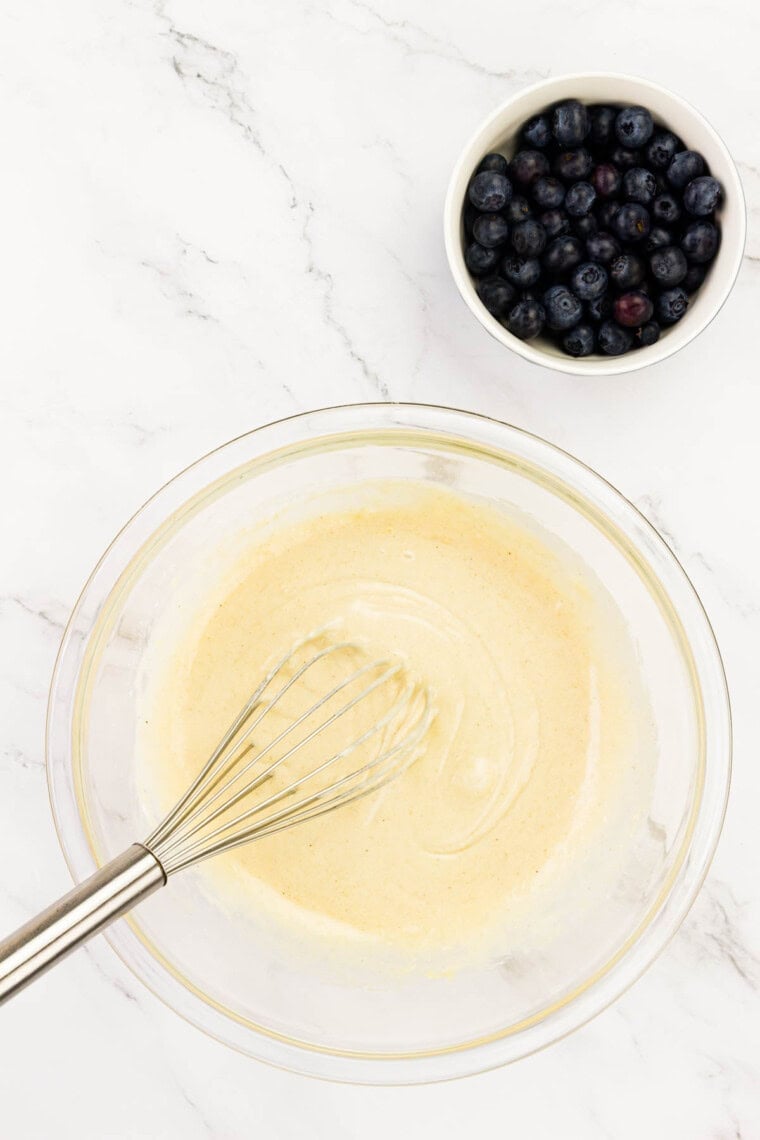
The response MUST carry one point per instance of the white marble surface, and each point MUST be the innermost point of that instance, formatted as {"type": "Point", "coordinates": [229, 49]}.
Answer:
{"type": "Point", "coordinates": [217, 214]}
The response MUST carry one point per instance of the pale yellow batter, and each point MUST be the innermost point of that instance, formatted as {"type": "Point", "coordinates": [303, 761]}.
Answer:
{"type": "Point", "coordinates": [531, 752]}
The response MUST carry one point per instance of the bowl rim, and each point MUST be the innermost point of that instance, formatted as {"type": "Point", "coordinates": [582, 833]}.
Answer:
{"type": "Point", "coordinates": [679, 336]}
{"type": "Point", "coordinates": [606, 985]}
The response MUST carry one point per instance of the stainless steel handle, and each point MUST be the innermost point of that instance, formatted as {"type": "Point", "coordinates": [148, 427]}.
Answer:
{"type": "Point", "coordinates": [70, 921]}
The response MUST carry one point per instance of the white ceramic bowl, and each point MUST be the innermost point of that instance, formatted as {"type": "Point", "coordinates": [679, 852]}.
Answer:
{"type": "Point", "coordinates": [499, 132]}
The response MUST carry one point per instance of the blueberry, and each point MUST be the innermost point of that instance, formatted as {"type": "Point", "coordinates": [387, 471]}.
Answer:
{"type": "Point", "coordinates": [624, 158]}
{"type": "Point", "coordinates": [571, 123]}
{"type": "Point", "coordinates": [527, 165]}
{"type": "Point", "coordinates": [585, 226]}
{"type": "Point", "coordinates": [627, 271]}
{"type": "Point", "coordinates": [700, 242]}
{"type": "Point", "coordinates": [526, 319]}
{"type": "Point", "coordinates": [695, 275]}
{"type": "Point", "coordinates": [498, 296]}
{"type": "Point", "coordinates": [490, 191]}
{"type": "Point", "coordinates": [517, 209]}
{"type": "Point", "coordinates": [606, 213]}
{"type": "Point", "coordinates": [469, 216]}
{"type": "Point", "coordinates": [671, 305]}
{"type": "Point", "coordinates": [579, 199]}
{"type": "Point", "coordinates": [632, 309]}
{"type": "Point", "coordinates": [613, 340]}
{"type": "Point", "coordinates": [646, 335]}
{"type": "Point", "coordinates": [634, 126]}
{"type": "Point", "coordinates": [668, 265]}
{"type": "Point", "coordinates": [639, 185]}
{"type": "Point", "coordinates": [658, 237]}
{"type": "Point", "coordinates": [631, 223]}
{"type": "Point", "coordinates": [563, 309]}
{"type": "Point", "coordinates": [599, 309]}
{"type": "Point", "coordinates": [602, 125]}
{"type": "Point", "coordinates": [665, 209]}
{"type": "Point", "coordinates": [589, 281]}
{"type": "Point", "coordinates": [602, 247]}
{"type": "Point", "coordinates": [528, 238]}
{"type": "Point", "coordinates": [495, 162]}
{"type": "Point", "coordinates": [578, 341]}
{"type": "Point", "coordinates": [537, 132]}
{"type": "Point", "coordinates": [480, 260]}
{"type": "Point", "coordinates": [606, 180]}
{"type": "Point", "coordinates": [562, 254]}
{"type": "Point", "coordinates": [573, 164]}
{"type": "Point", "coordinates": [702, 196]}
{"type": "Point", "coordinates": [685, 166]}
{"type": "Point", "coordinates": [490, 230]}
{"type": "Point", "coordinates": [661, 148]}
{"type": "Point", "coordinates": [548, 192]}
{"type": "Point", "coordinates": [521, 271]}
{"type": "Point", "coordinates": [555, 222]}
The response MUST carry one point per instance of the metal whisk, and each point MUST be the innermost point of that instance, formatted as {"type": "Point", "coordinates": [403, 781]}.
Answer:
{"type": "Point", "coordinates": [258, 781]}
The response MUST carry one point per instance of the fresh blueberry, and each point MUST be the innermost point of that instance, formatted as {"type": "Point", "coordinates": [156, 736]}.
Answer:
{"type": "Point", "coordinates": [624, 158]}
{"type": "Point", "coordinates": [613, 340]}
{"type": "Point", "coordinates": [700, 242]}
{"type": "Point", "coordinates": [528, 238]}
{"type": "Point", "coordinates": [665, 209]}
{"type": "Point", "coordinates": [632, 309]}
{"type": "Point", "coordinates": [527, 165]}
{"type": "Point", "coordinates": [563, 254]}
{"type": "Point", "coordinates": [671, 305]}
{"type": "Point", "coordinates": [639, 185]}
{"type": "Point", "coordinates": [585, 226]}
{"type": "Point", "coordinates": [563, 309]}
{"type": "Point", "coordinates": [702, 196]}
{"type": "Point", "coordinates": [490, 230]}
{"type": "Point", "coordinates": [606, 180]}
{"type": "Point", "coordinates": [555, 222]}
{"type": "Point", "coordinates": [602, 247]}
{"type": "Point", "coordinates": [571, 165]}
{"type": "Point", "coordinates": [684, 167]}
{"type": "Point", "coordinates": [517, 209]}
{"type": "Point", "coordinates": [526, 319]}
{"type": "Point", "coordinates": [695, 275]}
{"type": "Point", "coordinates": [602, 125]}
{"type": "Point", "coordinates": [627, 271]}
{"type": "Point", "coordinates": [646, 335]}
{"type": "Point", "coordinates": [480, 260]}
{"type": "Point", "coordinates": [579, 199]}
{"type": "Point", "coordinates": [589, 281]}
{"type": "Point", "coordinates": [661, 148]}
{"type": "Point", "coordinates": [495, 162]}
{"type": "Point", "coordinates": [521, 271]}
{"type": "Point", "coordinates": [498, 296]}
{"type": "Point", "coordinates": [469, 216]}
{"type": "Point", "coordinates": [490, 191]}
{"type": "Point", "coordinates": [658, 237]}
{"type": "Point", "coordinates": [599, 309]}
{"type": "Point", "coordinates": [634, 126]}
{"type": "Point", "coordinates": [537, 132]}
{"type": "Point", "coordinates": [631, 223]}
{"type": "Point", "coordinates": [668, 265]}
{"type": "Point", "coordinates": [549, 193]}
{"type": "Point", "coordinates": [571, 123]}
{"type": "Point", "coordinates": [578, 341]}
{"type": "Point", "coordinates": [606, 212]}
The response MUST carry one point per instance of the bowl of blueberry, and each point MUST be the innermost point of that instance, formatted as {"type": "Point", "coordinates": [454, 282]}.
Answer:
{"type": "Point", "coordinates": [595, 223]}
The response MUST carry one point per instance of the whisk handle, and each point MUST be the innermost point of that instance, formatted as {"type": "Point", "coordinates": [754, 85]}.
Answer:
{"type": "Point", "coordinates": [67, 923]}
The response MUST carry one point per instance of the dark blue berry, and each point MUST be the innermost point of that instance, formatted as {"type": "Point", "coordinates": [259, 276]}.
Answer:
{"type": "Point", "coordinates": [563, 309]}
{"type": "Point", "coordinates": [548, 192]}
{"type": "Point", "coordinates": [606, 212]}
{"type": "Point", "coordinates": [602, 247]}
{"type": "Point", "coordinates": [613, 340]}
{"type": "Point", "coordinates": [671, 305]}
{"type": "Point", "coordinates": [589, 280]}
{"type": "Point", "coordinates": [527, 166]}
{"type": "Point", "coordinates": [700, 242]}
{"type": "Point", "coordinates": [624, 158]}
{"type": "Point", "coordinates": [685, 166]}
{"type": "Point", "coordinates": [490, 230]}
{"type": "Point", "coordinates": [602, 125]}
{"type": "Point", "coordinates": [627, 271]}
{"type": "Point", "coordinates": [571, 123]}
{"type": "Point", "coordinates": [562, 254]}
{"type": "Point", "coordinates": [469, 216]}
{"type": "Point", "coordinates": [665, 209]}
{"type": "Point", "coordinates": [585, 226]}
{"type": "Point", "coordinates": [702, 196]}
{"type": "Point", "coordinates": [498, 296]}
{"type": "Point", "coordinates": [555, 222]}
{"type": "Point", "coordinates": [579, 199]}
{"type": "Point", "coordinates": [578, 341]}
{"type": "Point", "coordinates": [695, 275]}
{"type": "Point", "coordinates": [634, 126]}
{"type": "Point", "coordinates": [490, 191]}
{"type": "Point", "coordinates": [480, 260]}
{"type": "Point", "coordinates": [632, 309]}
{"type": "Point", "coordinates": [658, 237]}
{"type": "Point", "coordinates": [537, 132]}
{"type": "Point", "coordinates": [572, 165]}
{"type": "Point", "coordinates": [631, 223]}
{"type": "Point", "coordinates": [495, 162]}
{"type": "Point", "coordinates": [606, 180]}
{"type": "Point", "coordinates": [661, 148]}
{"type": "Point", "coordinates": [528, 238]}
{"type": "Point", "coordinates": [521, 271]}
{"type": "Point", "coordinates": [646, 335]}
{"type": "Point", "coordinates": [526, 319]}
{"type": "Point", "coordinates": [639, 185]}
{"type": "Point", "coordinates": [517, 209]}
{"type": "Point", "coordinates": [599, 309]}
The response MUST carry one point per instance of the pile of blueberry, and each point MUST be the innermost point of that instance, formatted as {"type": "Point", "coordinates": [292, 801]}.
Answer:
{"type": "Point", "coordinates": [595, 233]}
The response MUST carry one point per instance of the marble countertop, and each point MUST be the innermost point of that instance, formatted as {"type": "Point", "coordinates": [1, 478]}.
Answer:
{"type": "Point", "coordinates": [215, 215]}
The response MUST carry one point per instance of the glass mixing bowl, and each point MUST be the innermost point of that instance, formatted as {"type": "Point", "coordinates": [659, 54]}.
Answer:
{"type": "Point", "coordinates": [238, 980]}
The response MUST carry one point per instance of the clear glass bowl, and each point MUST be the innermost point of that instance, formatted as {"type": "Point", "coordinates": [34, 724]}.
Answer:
{"type": "Point", "coordinates": [240, 981]}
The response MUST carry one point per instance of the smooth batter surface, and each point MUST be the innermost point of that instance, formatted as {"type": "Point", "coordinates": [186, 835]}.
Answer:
{"type": "Point", "coordinates": [529, 759]}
